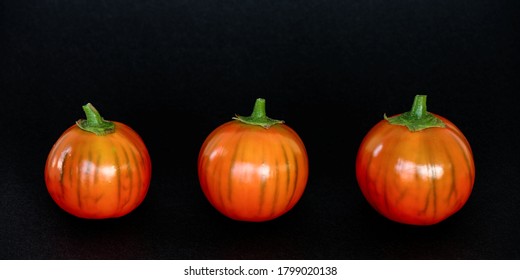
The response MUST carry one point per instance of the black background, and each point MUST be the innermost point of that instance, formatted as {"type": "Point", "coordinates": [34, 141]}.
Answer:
{"type": "Point", "coordinates": [175, 70]}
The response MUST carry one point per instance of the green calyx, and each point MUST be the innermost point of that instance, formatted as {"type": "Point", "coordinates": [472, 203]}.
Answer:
{"type": "Point", "coordinates": [258, 117]}
{"type": "Point", "coordinates": [418, 118]}
{"type": "Point", "coordinates": [94, 122]}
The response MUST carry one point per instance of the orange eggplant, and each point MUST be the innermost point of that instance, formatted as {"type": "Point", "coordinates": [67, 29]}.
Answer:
{"type": "Point", "coordinates": [98, 169]}
{"type": "Point", "coordinates": [416, 168]}
{"type": "Point", "coordinates": [253, 168]}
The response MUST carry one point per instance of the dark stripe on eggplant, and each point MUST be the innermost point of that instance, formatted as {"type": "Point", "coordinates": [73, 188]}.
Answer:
{"type": "Point", "coordinates": [385, 187]}
{"type": "Point", "coordinates": [277, 187]}
{"type": "Point", "coordinates": [469, 163]}
{"type": "Point", "coordinates": [118, 171]}
{"type": "Point", "coordinates": [96, 172]}
{"type": "Point", "coordinates": [88, 171]}
{"type": "Point", "coordinates": [233, 160]}
{"type": "Point", "coordinates": [61, 163]}
{"type": "Point", "coordinates": [368, 180]}
{"type": "Point", "coordinates": [386, 172]}
{"type": "Point", "coordinates": [296, 173]}
{"type": "Point", "coordinates": [262, 184]}
{"type": "Point", "coordinates": [371, 182]}
{"type": "Point", "coordinates": [57, 146]}
{"type": "Point", "coordinates": [140, 168]}
{"type": "Point", "coordinates": [79, 175]}
{"type": "Point", "coordinates": [432, 191]}
{"type": "Point", "coordinates": [129, 175]}
{"type": "Point", "coordinates": [453, 188]}
{"type": "Point", "coordinates": [404, 192]}
{"type": "Point", "coordinates": [287, 172]}
{"type": "Point", "coordinates": [374, 182]}
{"type": "Point", "coordinates": [215, 172]}
{"type": "Point", "coordinates": [118, 176]}
{"type": "Point", "coordinates": [210, 146]}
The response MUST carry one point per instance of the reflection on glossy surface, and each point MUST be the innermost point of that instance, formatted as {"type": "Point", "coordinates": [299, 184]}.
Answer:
{"type": "Point", "coordinates": [409, 169]}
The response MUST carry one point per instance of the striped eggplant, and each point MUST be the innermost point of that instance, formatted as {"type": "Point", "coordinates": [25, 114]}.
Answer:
{"type": "Point", "coordinates": [416, 168]}
{"type": "Point", "coordinates": [253, 168]}
{"type": "Point", "coordinates": [98, 169]}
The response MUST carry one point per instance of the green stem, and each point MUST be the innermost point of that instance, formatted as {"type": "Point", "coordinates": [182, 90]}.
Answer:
{"type": "Point", "coordinates": [419, 106]}
{"type": "Point", "coordinates": [94, 122]}
{"type": "Point", "coordinates": [418, 118]}
{"type": "Point", "coordinates": [258, 117]}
